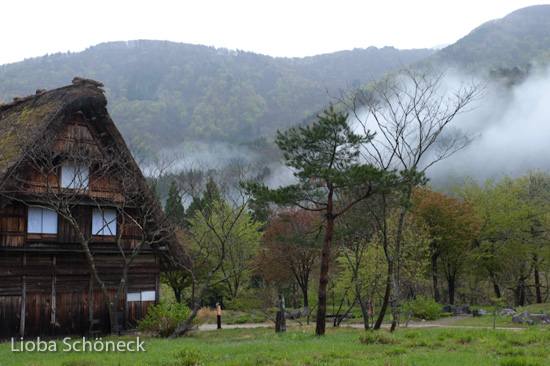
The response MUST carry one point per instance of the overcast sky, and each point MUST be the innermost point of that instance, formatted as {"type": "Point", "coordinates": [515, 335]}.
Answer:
{"type": "Point", "coordinates": [285, 28]}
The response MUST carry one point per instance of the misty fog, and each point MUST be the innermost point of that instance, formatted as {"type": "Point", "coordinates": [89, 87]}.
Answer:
{"type": "Point", "coordinates": [512, 128]}
{"type": "Point", "coordinates": [514, 134]}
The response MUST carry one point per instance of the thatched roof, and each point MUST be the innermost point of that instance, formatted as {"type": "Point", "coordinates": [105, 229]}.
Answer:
{"type": "Point", "coordinates": [25, 121]}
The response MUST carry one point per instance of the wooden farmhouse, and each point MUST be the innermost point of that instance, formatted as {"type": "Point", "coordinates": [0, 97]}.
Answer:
{"type": "Point", "coordinates": [74, 206]}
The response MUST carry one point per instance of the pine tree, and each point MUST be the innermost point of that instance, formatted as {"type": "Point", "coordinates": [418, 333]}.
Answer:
{"type": "Point", "coordinates": [325, 158]}
{"type": "Point", "coordinates": [175, 212]}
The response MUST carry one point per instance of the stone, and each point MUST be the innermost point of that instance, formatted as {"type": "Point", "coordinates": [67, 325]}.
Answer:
{"type": "Point", "coordinates": [540, 318]}
{"type": "Point", "coordinates": [517, 319]}
{"type": "Point", "coordinates": [305, 311]}
{"type": "Point", "coordinates": [506, 312]}
{"type": "Point", "coordinates": [461, 309]}
{"type": "Point", "coordinates": [447, 309]}
{"type": "Point", "coordinates": [293, 314]}
{"type": "Point", "coordinates": [480, 312]}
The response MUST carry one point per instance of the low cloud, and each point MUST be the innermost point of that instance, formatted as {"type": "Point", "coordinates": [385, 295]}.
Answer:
{"type": "Point", "coordinates": [514, 134]}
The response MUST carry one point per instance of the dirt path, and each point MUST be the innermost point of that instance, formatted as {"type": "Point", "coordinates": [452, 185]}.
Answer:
{"type": "Point", "coordinates": [447, 322]}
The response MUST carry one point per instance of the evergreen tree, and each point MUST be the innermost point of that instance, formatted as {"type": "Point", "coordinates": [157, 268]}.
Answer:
{"type": "Point", "coordinates": [325, 158]}
{"type": "Point", "coordinates": [175, 212]}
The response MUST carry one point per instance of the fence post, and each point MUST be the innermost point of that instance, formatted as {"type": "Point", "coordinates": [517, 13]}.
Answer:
{"type": "Point", "coordinates": [219, 315]}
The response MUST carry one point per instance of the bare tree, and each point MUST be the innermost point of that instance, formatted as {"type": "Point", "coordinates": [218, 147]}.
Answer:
{"type": "Point", "coordinates": [411, 112]}
{"type": "Point", "coordinates": [103, 201]}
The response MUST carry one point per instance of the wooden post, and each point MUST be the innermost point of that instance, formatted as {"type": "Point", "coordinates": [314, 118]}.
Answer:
{"type": "Point", "coordinates": [219, 315]}
{"type": "Point", "coordinates": [280, 326]}
{"type": "Point", "coordinates": [91, 300]}
{"type": "Point", "coordinates": [52, 320]}
{"type": "Point", "coordinates": [23, 300]}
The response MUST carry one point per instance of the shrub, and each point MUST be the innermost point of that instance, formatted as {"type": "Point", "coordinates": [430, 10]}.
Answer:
{"type": "Point", "coordinates": [245, 302]}
{"type": "Point", "coordinates": [162, 319]}
{"type": "Point", "coordinates": [259, 319]}
{"type": "Point", "coordinates": [377, 337]}
{"type": "Point", "coordinates": [187, 356]}
{"type": "Point", "coordinates": [242, 319]}
{"type": "Point", "coordinates": [205, 314]}
{"type": "Point", "coordinates": [425, 307]}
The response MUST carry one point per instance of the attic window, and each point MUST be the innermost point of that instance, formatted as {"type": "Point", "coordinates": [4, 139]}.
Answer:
{"type": "Point", "coordinates": [74, 176]}
{"type": "Point", "coordinates": [41, 221]}
{"type": "Point", "coordinates": [104, 222]}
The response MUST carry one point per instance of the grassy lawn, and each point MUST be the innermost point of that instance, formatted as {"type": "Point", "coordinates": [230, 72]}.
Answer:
{"type": "Point", "coordinates": [299, 346]}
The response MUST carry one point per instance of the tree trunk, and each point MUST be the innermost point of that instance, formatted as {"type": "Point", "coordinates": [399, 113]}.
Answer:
{"type": "Point", "coordinates": [177, 294]}
{"type": "Point", "coordinates": [192, 300]}
{"type": "Point", "coordinates": [112, 305]}
{"type": "Point", "coordinates": [364, 308]}
{"type": "Point", "coordinates": [451, 282]}
{"type": "Point", "coordinates": [435, 277]}
{"type": "Point", "coordinates": [365, 311]}
{"type": "Point", "coordinates": [280, 327]}
{"type": "Point", "coordinates": [113, 319]}
{"type": "Point", "coordinates": [304, 292]}
{"type": "Point", "coordinates": [182, 328]}
{"type": "Point", "coordinates": [497, 289]}
{"type": "Point", "coordinates": [323, 277]}
{"type": "Point", "coordinates": [537, 280]}
{"type": "Point", "coordinates": [519, 292]}
{"type": "Point", "coordinates": [394, 305]}
{"type": "Point", "coordinates": [386, 300]}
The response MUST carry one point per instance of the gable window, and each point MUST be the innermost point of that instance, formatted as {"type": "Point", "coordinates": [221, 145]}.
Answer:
{"type": "Point", "coordinates": [41, 221]}
{"type": "Point", "coordinates": [74, 176]}
{"type": "Point", "coordinates": [103, 222]}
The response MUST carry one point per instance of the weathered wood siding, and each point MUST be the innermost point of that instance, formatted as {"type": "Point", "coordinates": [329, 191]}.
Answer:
{"type": "Point", "coordinates": [10, 305]}
{"type": "Point", "coordinates": [53, 292]}
{"type": "Point", "coordinates": [46, 288]}
{"type": "Point", "coordinates": [13, 229]}
{"type": "Point", "coordinates": [13, 220]}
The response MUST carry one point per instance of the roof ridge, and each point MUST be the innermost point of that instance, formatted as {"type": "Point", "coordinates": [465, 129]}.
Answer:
{"type": "Point", "coordinates": [77, 81]}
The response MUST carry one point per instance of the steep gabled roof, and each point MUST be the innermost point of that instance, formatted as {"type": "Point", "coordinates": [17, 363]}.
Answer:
{"type": "Point", "coordinates": [25, 122]}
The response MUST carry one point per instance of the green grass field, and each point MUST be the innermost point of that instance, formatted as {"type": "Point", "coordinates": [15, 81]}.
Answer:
{"type": "Point", "coordinates": [299, 346]}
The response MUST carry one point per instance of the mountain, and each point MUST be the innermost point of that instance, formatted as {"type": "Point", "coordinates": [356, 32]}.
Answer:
{"type": "Point", "coordinates": [172, 95]}
{"type": "Point", "coordinates": [517, 40]}
{"type": "Point", "coordinates": [169, 93]}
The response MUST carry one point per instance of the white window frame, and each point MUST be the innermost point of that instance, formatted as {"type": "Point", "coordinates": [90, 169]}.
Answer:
{"type": "Point", "coordinates": [104, 222]}
{"type": "Point", "coordinates": [75, 176]}
{"type": "Point", "coordinates": [141, 296]}
{"type": "Point", "coordinates": [41, 221]}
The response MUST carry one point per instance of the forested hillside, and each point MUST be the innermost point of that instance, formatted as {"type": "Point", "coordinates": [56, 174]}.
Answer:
{"type": "Point", "coordinates": [520, 39]}
{"type": "Point", "coordinates": [170, 94]}
{"type": "Point", "coordinates": [166, 93]}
